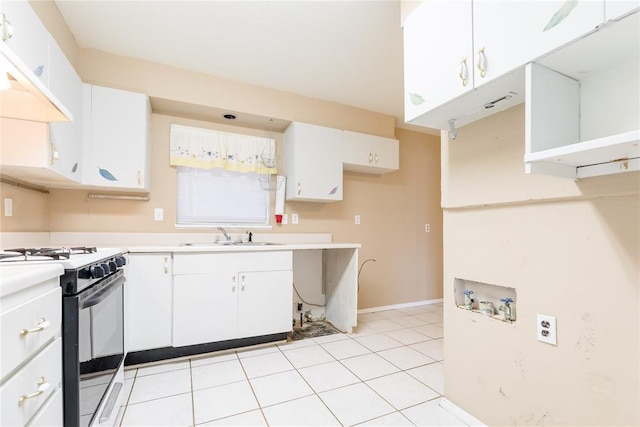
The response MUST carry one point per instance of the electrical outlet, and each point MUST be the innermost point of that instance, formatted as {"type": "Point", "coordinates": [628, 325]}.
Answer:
{"type": "Point", "coordinates": [158, 214]}
{"type": "Point", "coordinates": [299, 306]}
{"type": "Point", "coordinates": [294, 218]}
{"type": "Point", "coordinates": [8, 207]}
{"type": "Point", "coordinates": [547, 329]}
{"type": "Point", "coordinates": [357, 219]}
{"type": "Point", "coordinates": [427, 228]}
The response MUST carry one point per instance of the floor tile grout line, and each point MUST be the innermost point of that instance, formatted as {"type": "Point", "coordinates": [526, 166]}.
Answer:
{"type": "Point", "coordinates": [255, 396]}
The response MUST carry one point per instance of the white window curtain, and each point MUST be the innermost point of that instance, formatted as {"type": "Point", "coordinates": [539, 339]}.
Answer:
{"type": "Point", "coordinates": [209, 149]}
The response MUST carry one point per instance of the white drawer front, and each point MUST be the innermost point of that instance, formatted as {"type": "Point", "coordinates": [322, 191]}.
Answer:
{"type": "Point", "coordinates": [19, 398]}
{"type": "Point", "coordinates": [16, 346]}
{"type": "Point", "coordinates": [205, 263]}
{"type": "Point", "coordinates": [51, 413]}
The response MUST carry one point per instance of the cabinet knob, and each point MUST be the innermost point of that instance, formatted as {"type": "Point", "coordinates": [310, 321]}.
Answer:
{"type": "Point", "coordinates": [43, 385]}
{"type": "Point", "coordinates": [376, 158]}
{"type": "Point", "coordinates": [42, 325]}
{"type": "Point", "coordinates": [299, 189]}
{"type": "Point", "coordinates": [370, 158]}
{"type": "Point", "coordinates": [166, 265]}
{"type": "Point", "coordinates": [233, 284]}
{"type": "Point", "coordinates": [464, 72]}
{"type": "Point", "coordinates": [242, 287]}
{"type": "Point", "coordinates": [482, 62]}
{"type": "Point", "coordinates": [139, 177]}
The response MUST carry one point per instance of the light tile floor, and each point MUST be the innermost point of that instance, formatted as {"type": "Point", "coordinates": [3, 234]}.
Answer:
{"type": "Point", "coordinates": [388, 372]}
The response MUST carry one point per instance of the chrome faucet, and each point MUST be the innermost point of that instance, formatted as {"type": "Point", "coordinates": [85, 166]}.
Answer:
{"type": "Point", "coordinates": [226, 236]}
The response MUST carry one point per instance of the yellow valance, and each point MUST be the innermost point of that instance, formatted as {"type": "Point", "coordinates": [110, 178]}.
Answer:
{"type": "Point", "coordinates": [208, 149]}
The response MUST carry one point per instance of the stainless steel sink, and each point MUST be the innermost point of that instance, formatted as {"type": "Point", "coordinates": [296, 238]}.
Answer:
{"type": "Point", "coordinates": [231, 243]}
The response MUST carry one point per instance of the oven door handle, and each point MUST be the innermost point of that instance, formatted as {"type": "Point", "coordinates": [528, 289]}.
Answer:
{"type": "Point", "coordinates": [102, 294]}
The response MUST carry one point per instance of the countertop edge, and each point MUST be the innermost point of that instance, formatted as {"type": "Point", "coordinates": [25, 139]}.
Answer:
{"type": "Point", "coordinates": [14, 278]}
{"type": "Point", "coordinates": [239, 248]}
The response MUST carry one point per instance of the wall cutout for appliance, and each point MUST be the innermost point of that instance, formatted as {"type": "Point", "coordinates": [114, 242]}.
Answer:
{"type": "Point", "coordinates": [494, 301]}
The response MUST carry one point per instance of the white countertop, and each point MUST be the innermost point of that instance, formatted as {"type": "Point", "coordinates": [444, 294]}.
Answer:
{"type": "Point", "coordinates": [213, 247]}
{"type": "Point", "coordinates": [14, 278]}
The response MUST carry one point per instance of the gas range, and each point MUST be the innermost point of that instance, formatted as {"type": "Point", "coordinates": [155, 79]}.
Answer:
{"type": "Point", "coordinates": [84, 265]}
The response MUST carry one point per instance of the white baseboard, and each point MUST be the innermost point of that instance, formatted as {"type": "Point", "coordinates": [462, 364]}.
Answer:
{"type": "Point", "coordinates": [459, 413]}
{"type": "Point", "coordinates": [397, 306]}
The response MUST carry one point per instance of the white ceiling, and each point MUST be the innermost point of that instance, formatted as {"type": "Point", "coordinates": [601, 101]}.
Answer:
{"type": "Point", "coordinates": [348, 52]}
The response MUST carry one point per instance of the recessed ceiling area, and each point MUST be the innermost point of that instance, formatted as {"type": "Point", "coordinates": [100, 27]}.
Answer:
{"type": "Point", "coordinates": [349, 52]}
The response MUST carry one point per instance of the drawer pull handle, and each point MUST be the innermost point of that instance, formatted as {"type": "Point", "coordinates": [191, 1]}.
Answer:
{"type": "Point", "coordinates": [242, 288]}
{"type": "Point", "coordinates": [166, 265]}
{"type": "Point", "coordinates": [43, 385]}
{"type": "Point", "coordinates": [42, 325]}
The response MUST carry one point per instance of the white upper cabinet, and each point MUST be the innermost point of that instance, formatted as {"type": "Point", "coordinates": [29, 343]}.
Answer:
{"type": "Point", "coordinates": [438, 55]}
{"type": "Point", "coordinates": [30, 39]}
{"type": "Point", "coordinates": [616, 9]}
{"type": "Point", "coordinates": [464, 60]}
{"type": "Point", "coordinates": [369, 153]}
{"type": "Point", "coordinates": [116, 139]}
{"type": "Point", "coordinates": [313, 163]}
{"type": "Point", "coordinates": [508, 34]}
{"type": "Point", "coordinates": [65, 138]}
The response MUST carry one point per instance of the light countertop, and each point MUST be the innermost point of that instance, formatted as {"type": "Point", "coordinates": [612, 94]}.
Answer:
{"type": "Point", "coordinates": [213, 247]}
{"type": "Point", "coordinates": [14, 278]}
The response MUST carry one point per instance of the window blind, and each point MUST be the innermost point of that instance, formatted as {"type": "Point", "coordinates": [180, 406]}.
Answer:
{"type": "Point", "coordinates": [220, 197]}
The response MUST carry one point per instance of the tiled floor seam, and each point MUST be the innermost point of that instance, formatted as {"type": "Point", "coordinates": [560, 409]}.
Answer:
{"type": "Point", "coordinates": [255, 396]}
{"type": "Point", "coordinates": [193, 403]}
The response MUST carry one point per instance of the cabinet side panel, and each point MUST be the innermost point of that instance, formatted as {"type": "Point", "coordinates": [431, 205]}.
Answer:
{"type": "Point", "coordinates": [552, 109]}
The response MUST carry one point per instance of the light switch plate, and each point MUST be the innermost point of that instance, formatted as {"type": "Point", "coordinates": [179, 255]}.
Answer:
{"type": "Point", "coordinates": [357, 219]}
{"type": "Point", "coordinates": [8, 207]}
{"type": "Point", "coordinates": [158, 214]}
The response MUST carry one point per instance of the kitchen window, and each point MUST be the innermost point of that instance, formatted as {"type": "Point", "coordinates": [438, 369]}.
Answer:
{"type": "Point", "coordinates": [220, 197]}
{"type": "Point", "coordinates": [218, 177]}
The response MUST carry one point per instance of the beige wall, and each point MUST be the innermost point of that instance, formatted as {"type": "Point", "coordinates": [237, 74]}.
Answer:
{"type": "Point", "coordinates": [571, 250]}
{"type": "Point", "coordinates": [393, 208]}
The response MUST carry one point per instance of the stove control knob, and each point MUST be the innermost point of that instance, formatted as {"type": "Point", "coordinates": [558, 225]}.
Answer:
{"type": "Point", "coordinates": [106, 268]}
{"type": "Point", "coordinates": [120, 261]}
{"type": "Point", "coordinates": [113, 266]}
{"type": "Point", "coordinates": [96, 271]}
{"type": "Point", "coordinates": [84, 273]}
{"type": "Point", "coordinates": [123, 259]}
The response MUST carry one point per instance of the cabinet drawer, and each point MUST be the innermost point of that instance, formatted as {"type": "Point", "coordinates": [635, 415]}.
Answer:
{"type": "Point", "coordinates": [42, 373]}
{"type": "Point", "coordinates": [204, 263]}
{"type": "Point", "coordinates": [51, 413]}
{"type": "Point", "coordinates": [16, 346]}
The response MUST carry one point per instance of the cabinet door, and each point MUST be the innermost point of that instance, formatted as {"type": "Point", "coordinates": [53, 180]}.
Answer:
{"type": "Point", "coordinates": [614, 9]}
{"type": "Point", "coordinates": [118, 152]}
{"type": "Point", "coordinates": [205, 308]}
{"type": "Point", "coordinates": [369, 153]}
{"type": "Point", "coordinates": [508, 34]}
{"type": "Point", "coordinates": [30, 40]}
{"type": "Point", "coordinates": [313, 162]}
{"type": "Point", "coordinates": [149, 301]}
{"type": "Point", "coordinates": [66, 137]}
{"type": "Point", "coordinates": [438, 55]}
{"type": "Point", "coordinates": [265, 303]}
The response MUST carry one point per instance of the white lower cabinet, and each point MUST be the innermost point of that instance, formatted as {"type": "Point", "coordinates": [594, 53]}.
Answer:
{"type": "Point", "coordinates": [220, 297]}
{"type": "Point", "coordinates": [149, 301]}
{"type": "Point", "coordinates": [31, 345]}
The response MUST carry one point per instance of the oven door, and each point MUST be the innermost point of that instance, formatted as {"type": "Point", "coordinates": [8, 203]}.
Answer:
{"type": "Point", "coordinates": [93, 342]}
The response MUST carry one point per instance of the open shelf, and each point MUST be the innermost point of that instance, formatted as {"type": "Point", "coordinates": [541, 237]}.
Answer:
{"type": "Point", "coordinates": [582, 109]}
{"type": "Point", "coordinates": [610, 154]}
